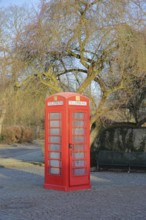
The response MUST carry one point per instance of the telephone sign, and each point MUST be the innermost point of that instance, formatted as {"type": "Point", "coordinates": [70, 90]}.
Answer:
{"type": "Point", "coordinates": [55, 103]}
{"type": "Point", "coordinates": [67, 147]}
{"type": "Point", "coordinates": [77, 103]}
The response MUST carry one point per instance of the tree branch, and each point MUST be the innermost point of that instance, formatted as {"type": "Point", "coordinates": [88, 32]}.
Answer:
{"type": "Point", "coordinates": [141, 122]}
{"type": "Point", "coordinates": [72, 70]}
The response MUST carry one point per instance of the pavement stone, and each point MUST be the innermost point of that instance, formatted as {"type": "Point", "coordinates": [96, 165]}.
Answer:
{"type": "Point", "coordinates": [113, 196]}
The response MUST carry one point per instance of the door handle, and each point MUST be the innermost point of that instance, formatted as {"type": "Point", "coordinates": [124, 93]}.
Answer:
{"type": "Point", "coordinates": [70, 146]}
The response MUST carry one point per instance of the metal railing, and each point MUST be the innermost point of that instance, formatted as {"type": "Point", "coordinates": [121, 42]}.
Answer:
{"type": "Point", "coordinates": [121, 159]}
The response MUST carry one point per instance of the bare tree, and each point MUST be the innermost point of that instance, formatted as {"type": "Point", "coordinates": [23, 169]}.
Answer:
{"type": "Point", "coordinates": [12, 22]}
{"type": "Point", "coordinates": [81, 45]}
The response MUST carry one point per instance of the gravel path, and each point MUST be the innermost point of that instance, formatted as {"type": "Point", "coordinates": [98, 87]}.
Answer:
{"type": "Point", "coordinates": [114, 196]}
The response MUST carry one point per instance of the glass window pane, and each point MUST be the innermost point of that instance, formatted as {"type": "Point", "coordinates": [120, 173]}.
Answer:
{"type": "Point", "coordinates": [54, 147]}
{"type": "Point", "coordinates": [54, 123]}
{"type": "Point", "coordinates": [78, 131]}
{"type": "Point", "coordinates": [78, 139]}
{"type": "Point", "coordinates": [55, 115]}
{"type": "Point", "coordinates": [78, 115]}
{"type": "Point", "coordinates": [55, 131]}
{"type": "Point", "coordinates": [80, 147]}
{"type": "Point", "coordinates": [78, 155]}
{"type": "Point", "coordinates": [79, 163]}
{"type": "Point", "coordinates": [54, 170]}
{"type": "Point", "coordinates": [78, 123]}
{"type": "Point", "coordinates": [55, 163]}
{"type": "Point", "coordinates": [78, 172]}
{"type": "Point", "coordinates": [54, 139]}
{"type": "Point", "coordinates": [54, 155]}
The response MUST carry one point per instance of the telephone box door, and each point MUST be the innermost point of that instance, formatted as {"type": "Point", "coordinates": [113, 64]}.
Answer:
{"type": "Point", "coordinates": [78, 147]}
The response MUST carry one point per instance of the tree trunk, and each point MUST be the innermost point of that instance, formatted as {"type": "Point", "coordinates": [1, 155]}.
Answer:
{"type": "Point", "coordinates": [3, 113]}
{"type": "Point", "coordinates": [95, 131]}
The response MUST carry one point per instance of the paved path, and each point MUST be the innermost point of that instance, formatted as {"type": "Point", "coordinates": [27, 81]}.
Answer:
{"type": "Point", "coordinates": [114, 196]}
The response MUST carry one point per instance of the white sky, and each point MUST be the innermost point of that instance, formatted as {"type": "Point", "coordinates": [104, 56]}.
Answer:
{"type": "Point", "coordinates": [6, 3]}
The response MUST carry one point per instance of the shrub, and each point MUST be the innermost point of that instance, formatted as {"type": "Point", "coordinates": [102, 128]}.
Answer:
{"type": "Point", "coordinates": [17, 134]}
{"type": "Point", "coordinates": [27, 134]}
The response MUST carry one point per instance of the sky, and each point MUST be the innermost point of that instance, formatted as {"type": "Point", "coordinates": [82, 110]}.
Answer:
{"type": "Point", "coordinates": [6, 3]}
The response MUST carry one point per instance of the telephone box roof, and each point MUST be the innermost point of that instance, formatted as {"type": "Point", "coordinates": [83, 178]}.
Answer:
{"type": "Point", "coordinates": [66, 94]}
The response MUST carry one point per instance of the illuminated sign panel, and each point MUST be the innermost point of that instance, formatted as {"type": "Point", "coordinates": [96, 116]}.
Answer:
{"type": "Point", "coordinates": [55, 103]}
{"type": "Point", "coordinates": [77, 103]}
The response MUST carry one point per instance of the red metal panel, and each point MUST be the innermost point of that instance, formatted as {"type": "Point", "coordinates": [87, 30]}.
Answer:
{"type": "Point", "coordinates": [79, 147]}
{"type": "Point", "coordinates": [67, 150]}
{"type": "Point", "coordinates": [55, 161]}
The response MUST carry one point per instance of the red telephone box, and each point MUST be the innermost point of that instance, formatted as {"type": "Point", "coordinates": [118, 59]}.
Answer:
{"type": "Point", "coordinates": [67, 148]}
